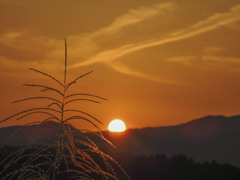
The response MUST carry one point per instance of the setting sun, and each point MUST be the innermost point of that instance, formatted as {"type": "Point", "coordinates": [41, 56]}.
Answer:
{"type": "Point", "coordinates": [116, 125]}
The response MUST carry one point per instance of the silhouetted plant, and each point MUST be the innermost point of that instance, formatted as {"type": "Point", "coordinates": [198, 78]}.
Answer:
{"type": "Point", "coordinates": [76, 157]}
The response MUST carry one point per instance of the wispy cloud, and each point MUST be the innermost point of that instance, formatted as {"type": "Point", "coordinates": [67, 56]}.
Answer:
{"type": "Point", "coordinates": [103, 40]}
{"type": "Point", "coordinates": [187, 60]}
{"type": "Point", "coordinates": [208, 57]}
{"type": "Point", "coordinates": [128, 71]}
{"type": "Point", "coordinates": [6, 62]}
{"type": "Point", "coordinates": [211, 23]}
{"type": "Point", "coordinates": [98, 46]}
{"type": "Point", "coordinates": [213, 49]}
{"type": "Point", "coordinates": [208, 61]}
{"type": "Point", "coordinates": [221, 63]}
{"type": "Point", "coordinates": [108, 56]}
{"type": "Point", "coordinates": [137, 15]}
{"type": "Point", "coordinates": [221, 59]}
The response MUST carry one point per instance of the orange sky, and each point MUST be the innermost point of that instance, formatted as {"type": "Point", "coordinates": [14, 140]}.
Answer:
{"type": "Point", "coordinates": [158, 62]}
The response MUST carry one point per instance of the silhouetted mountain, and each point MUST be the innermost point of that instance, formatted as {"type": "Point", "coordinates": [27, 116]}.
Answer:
{"type": "Point", "coordinates": [204, 139]}
{"type": "Point", "coordinates": [207, 138]}
{"type": "Point", "coordinates": [37, 134]}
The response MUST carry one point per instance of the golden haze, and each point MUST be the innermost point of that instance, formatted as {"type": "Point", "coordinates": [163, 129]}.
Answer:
{"type": "Point", "coordinates": [159, 63]}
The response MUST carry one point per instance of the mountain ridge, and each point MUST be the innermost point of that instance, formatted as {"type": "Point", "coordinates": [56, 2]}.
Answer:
{"type": "Point", "coordinates": [204, 139]}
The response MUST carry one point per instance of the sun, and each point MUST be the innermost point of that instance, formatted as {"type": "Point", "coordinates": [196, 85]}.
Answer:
{"type": "Point", "coordinates": [116, 125]}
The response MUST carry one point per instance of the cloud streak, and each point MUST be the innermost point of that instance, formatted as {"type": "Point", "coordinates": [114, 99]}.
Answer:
{"type": "Point", "coordinates": [206, 25]}
{"type": "Point", "coordinates": [99, 42]}
{"type": "Point", "coordinates": [97, 47]}
{"type": "Point", "coordinates": [128, 71]}
{"type": "Point", "coordinates": [209, 62]}
{"type": "Point", "coordinates": [135, 16]}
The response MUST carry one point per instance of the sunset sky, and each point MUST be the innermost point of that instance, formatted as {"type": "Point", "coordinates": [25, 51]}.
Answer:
{"type": "Point", "coordinates": [159, 62]}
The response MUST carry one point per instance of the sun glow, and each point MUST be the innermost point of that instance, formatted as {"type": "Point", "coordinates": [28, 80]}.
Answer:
{"type": "Point", "coordinates": [116, 125]}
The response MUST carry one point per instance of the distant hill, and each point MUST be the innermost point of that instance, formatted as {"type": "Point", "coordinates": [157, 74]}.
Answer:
{"type": "Point", "coordinates": [204, 139]}
{"type": "Point", "coordinates": [37, 134]}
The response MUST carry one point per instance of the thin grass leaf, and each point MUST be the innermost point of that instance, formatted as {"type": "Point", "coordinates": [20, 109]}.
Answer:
{"type": "Point", "coordinates": [38, 112]}
{"type": "Point", "coordinates": [40, 97]}
{"type": "Point", "coordinates": [33, 109]}
{"type": "Point", "coordinates": [94, 147]}
{"type": "Point", "coordinates": [73, 110]}
{"type": "Point", "coordinates": [98, 134]}
{"type": "Point", "coordinates": [80, 100]}
{"type": "Point", "coordinates": [45, 87]}
{"type": "Point", "coordinates": [52, 104]}
{"type": "Point", "coordinates": [82, 118]}
{"type": "Point", "coordinates": [83, 161]}
{"type": "Point", "coordinates": [48, 75]}
{"type": "Point", "coordinates": [75, 80]}
{"type": "Point", "coordinates": [118, 165]}
{"type": "Point", "coordinates": [85, 94]}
